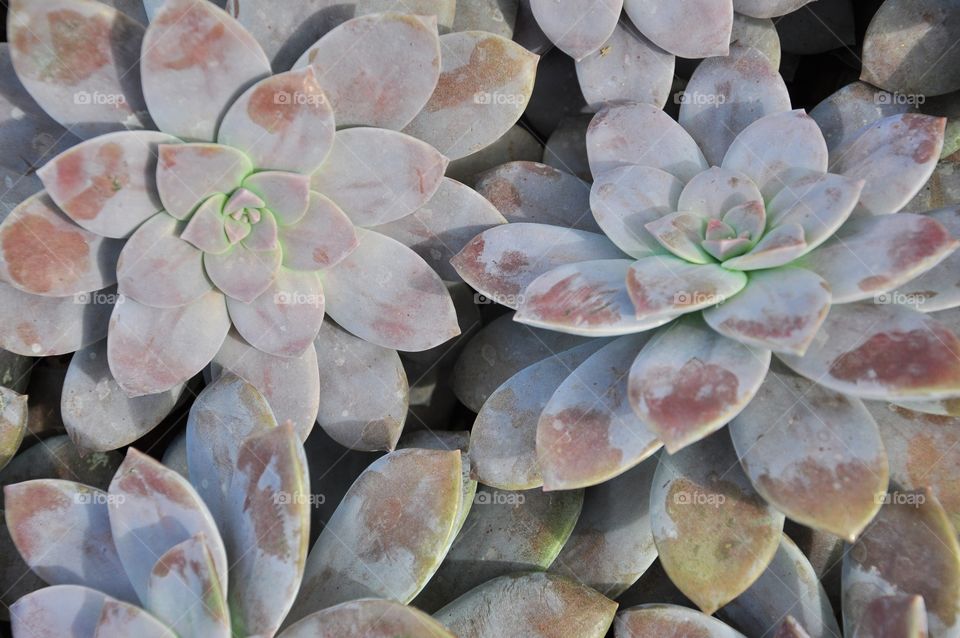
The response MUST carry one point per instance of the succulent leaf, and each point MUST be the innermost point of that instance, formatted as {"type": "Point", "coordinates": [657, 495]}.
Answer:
{"type": "Point", "coordinates": [901, 615]}
{"type": "Point", "coordinates": [321, 238]}
{"type": "Point", "coordinates": [13, 423]}
{"type": "Point", "coordinates": [241, 272]}
{"type": "Point", "coordinates": [665, 286]}
{"type": "Point", "coordinates": [367, 618]}
{"type": "Point", "coordinates": [123, 619]}
{"type": "Point", "coordinates": [578, 28]}
{"type": "Point", "coordinates": [669, 621]}
{"type": "Point", "coordinates": [705, 32]}
{"type": "Point", "coordinates": [938, 288]}
{"type": "Point", "coordinates": [60, 610]}
{"type": "Point", "coordinates": [187, 174]}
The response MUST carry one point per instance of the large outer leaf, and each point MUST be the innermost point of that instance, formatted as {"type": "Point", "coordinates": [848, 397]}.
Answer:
{"type": "Point", "coordinates": [62, 610]}
{"type": "Point", "coordinates": [98, 414]}
{"type": "Point", "coordinates": [123, 619]}
{"type": "Point", "coordinates": [13, 423]}
{"type": "Point", "coordinates": [514, 605]}
{"type": "Point", "coordinates": [580, 27]}
{"type": "Point", "coordinates": [698, 29]}
{"type": "Point", "coordinates": [196, 59]}
{"type": "Point", "coordinates": [368, 618]}
{"type": "Point", "coordinates": [910, 47]}
{"type": "Point", "coordinates": [388, 534]}
{"type": "Point", "coordinates": [62, 530]}
{"type": "Point", "coordinates": [484, 85]}
{"type": "Point", "coordinates": [813, 453]}
{"type": "Point", "coordinates": [899, 615]}
{"type": "Point", "coordinates": [153, 509]}
{"type": "Point", "coordinates": [44, 253]}
{"type": "Point", "coordinates": [504, 533]}
{"type": "Point", "coordinates": [79, 60]}
{"type": "Point", "coordinates": [189, 173]}
{"type": "Point", "coordinates": [911, 548]}
{"type": "Point", "coordinates": [588, 431]}
{"type": "Point", "coordinates": [862, 348]}
{"type": "Point", "coordinates": [669, 621]}
{"type": "Point", "coordinates": [714, 533]}
{"type": "Point", "coordinates": [844, 113]}
{"type": "Point", "coordinates": [939, 287]}
{"type": "Point", "coordinates": [503, 450]}
{"type": "Point", "coordinates": [612, 544]}
{"type": "Point", "coordinates": [666, 286]}
{"type": "Point", "coordinates": [788, 586]}
{"type": "Point", "coordinates": [767, 8]}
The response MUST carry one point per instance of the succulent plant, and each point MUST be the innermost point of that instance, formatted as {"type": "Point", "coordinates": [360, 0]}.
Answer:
{"type": "Point", "coordinates": [233, 230]}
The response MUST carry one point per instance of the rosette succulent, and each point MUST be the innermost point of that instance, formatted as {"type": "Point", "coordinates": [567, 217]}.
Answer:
{"type": "Point", "coordinates": [265, 202]}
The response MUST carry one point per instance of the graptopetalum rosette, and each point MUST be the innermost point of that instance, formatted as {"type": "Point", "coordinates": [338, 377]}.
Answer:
{"type": "Point", "coordinates": [730, 237]}
{"type": "Point", "coordinates": [233, 230]}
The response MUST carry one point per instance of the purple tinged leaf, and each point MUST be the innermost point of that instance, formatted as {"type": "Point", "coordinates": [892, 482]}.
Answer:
{"type": "Point", "coordinates": [665, 286]}
{"type": "Point", "coordinates": [628, 67]}
{"type": "Point", "coordinates": [627, 198]}
{"type": "Point", "coordinates": [514, 603]}
{"type": "Point", "coordinates": [242, 273]}
{"type": "Point", "coordinates": [351, 414]}
{"type": "Point", "coordinates": [289, 384]}
{"type": "Point", "coordinates": [367, 618]}
{"type": "Point", "coordinates": [714, 533]}
{"type": "Point", "coordinates": [283, 122]}
{"type": "Point", "coordinates": [61, 610]}
{"type": "Point", "coordinates": [778, 247]}
{"type": "Point", "coordinates": [78, 59]}
{"type": "Point", "coordinates": [98, 414]}
{"type": "Point", "coordinates": [725, 95]}
{"type": "Point", "coordinates": [790, 628]}
{"type": "Point", "coordinates": [36, 326]}
{"type": "Point", "coordinates": [588, 432]}
{"type": "Point", "coordinates": [444, 225]}
{"type": "Point", "coordinates": [842, 115]}
{"type": "Point", "coordinates": [780, 310]}
{"type": "Point", "coordinates": [123, 619]}
{"type": "Point", "coordinates": [285, 318]}
{"type": "Point", "coordinates": [894, 156]}
{"type": "Point", "coordinates": [689, 381]}
{"type": "Point", "coordinates": [206, 229]}
{"type": "Point", "coordinates": [502, 261]}
{"type": "Point", "coordinates": [263, 232]}
{"type": "Point", "coordinates": [377, 175]}
{"type": "Point", "coordinates": [767, 9]}
{"type": "Point", "coordinates": [43, 252]}
{"type": "Point", "coordinates": [323, 237]}
{"type": "Point", "coordinates": [388, 535]}
{"type": "Point", "coordinates": [912, 530]}
{"type": "Point", "coordinates": [862, 348]}
{"type": "Point", "coordinates": [484, 86]}
{"type": "Point", "coordinates": [267, 529]}
{"type": "Point", "coordinates": [642, 135]}
{"type": "Point", "coordinates": [588, 298]}
{"type": "Point", "coordinates": [225, 414]}
{"type": "Point", "coordinates": [872, 255]}
{"type": "Point", "coordinates": [612, 543]}
{"type": "Point", "coordinates": [814, 454]}
{"type": "Point", "coordinates": [669, 621]}
{"type": "Point", "coordinates": [187, 174]}
{"type": "Point", "coordinates": [152, 350]}
{"type": "Point", "coordinates": [106, 185]}
{"type": "Point", "coordinates": [819, 203]}
{"type": "Point", "coordinates": [286, 195]}
{"type": "Point", "coordinates": [898, 614]}
{"type": "Point", "coordinates": [579, 27]}
{"type": "Point", "coordinates": [186, 591]}
{"type": "Point", "coordinates": [698, 29]}
{"type": "Point", "coordinates": [13, 423]}
{"type": "Point", "coordinates": [384, 293]}
{"type": "Point", "coordinates": [160, 269]}
{"type": "Point", "coordinates": [939, 287]}
{"type": "Point", "coordinates": [503, 438]}
{"type": "Point", "coordinates": [800, 149]}
{"type": "Point", "coordinates": [152, 510]}
{"type": "Point", "coordinates": [62, 531]}
{"type": "Point", "coordinates": [196, 59]}
{"type": "Point", "coordinates": [715, 191]}
{"type": "Point", "coordinates": [539, 194]}
{"type": "Point", "coordinates": [384, 83]}
{"type": "Point", "coordinates": [682, 234]}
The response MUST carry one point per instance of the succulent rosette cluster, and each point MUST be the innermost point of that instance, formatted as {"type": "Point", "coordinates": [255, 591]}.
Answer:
{"type": "Point", "coordinates": [265, 202]}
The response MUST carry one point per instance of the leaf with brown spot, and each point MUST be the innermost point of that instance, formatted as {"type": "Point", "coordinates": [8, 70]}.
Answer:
{"type": "Point", "coordinates": [939, 287]}
{"type": "Point", "coordinates": [897, 615]}
{"type": "Point", "coordinates": [502, 261]}
{"type": "Point", "coordinates": [863, 347]}
{"type": "Point", "coordinates": [788, 586]}
{"type": "Point", "coordinates": [665, 286]}
{"type": "Point", "coordinates": [911, 548]}
{"type": "Point", "coordinates": [79, 61]}
{"type": "Point", "coordinates": [790, 628]}
{"type": "Point", "coordinates": [484, 86]}
{"type": "Point", "coordinates": [588, 432]}
{"type": "Point", "coordinates": [689, 381]}
{"type": "Point", "coordinates": [612, 543]}
{"type": "Point", "coordinates": [196, 59]}
{"type": "Point", "coordinates": [62, 531]}
{"type": "Point", "coordinates": [504, 533]}
{"type": "Point", "coordinates": [266, 529]}
{"type": "Point", "coordinates": [122, 619]}
{"type": "Point", "coordinates": [714, 533]}
{"type": "Point", "coordinates": [844, 114]}
{"type": "Point", "coordinates": [813, 453]}
{"type": "Point", "coordinates": [387, 536]}
{"type": "Point", "coordinates": [153, 509]}
{"type": "Point", "coordinates": [367, 618]}
{"type": "Point", "coordinates": [60, 610]}
{"type": "Point", "coordinates": [187, 174]}
{"type": "Point", "coordinates": [669, 621]}
{"type": "Point", "coordinates": [514, 605]}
